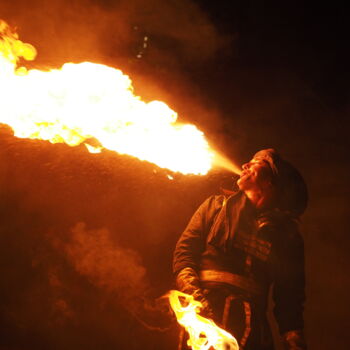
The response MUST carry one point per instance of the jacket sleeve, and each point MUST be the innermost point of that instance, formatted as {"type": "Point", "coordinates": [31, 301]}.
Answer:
{"type": "Point", "coordinates": [192, 241]}
{"type": "Point", "coordinates": [289, 281]}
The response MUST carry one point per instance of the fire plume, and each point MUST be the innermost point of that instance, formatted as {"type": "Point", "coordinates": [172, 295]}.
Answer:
{"type": "Point", "coordinates": [85, 101]}
{"type": "Point", "coordinates": [203, 333]}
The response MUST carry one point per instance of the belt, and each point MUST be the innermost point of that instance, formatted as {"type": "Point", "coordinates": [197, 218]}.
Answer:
{"type": "Point", "coordinates": [244, 283]}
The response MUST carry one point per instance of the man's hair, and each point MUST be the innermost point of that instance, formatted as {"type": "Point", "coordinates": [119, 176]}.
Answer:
{"type": "Point", "coordinates": [292, 194]}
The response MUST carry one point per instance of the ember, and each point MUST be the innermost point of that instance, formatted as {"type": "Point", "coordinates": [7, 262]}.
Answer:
{"type": "Point", "coordinates": [85, 101]}
{"type": "Point", "coordinates": [203, 333]}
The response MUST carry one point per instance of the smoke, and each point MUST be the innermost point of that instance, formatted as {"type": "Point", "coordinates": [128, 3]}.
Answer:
{"type": "Point", "coordinates": [80, 29]}
{"type": "Point", "coordinates": [107, 265]}
{"type": "Point", "coordinates": [116, 271]}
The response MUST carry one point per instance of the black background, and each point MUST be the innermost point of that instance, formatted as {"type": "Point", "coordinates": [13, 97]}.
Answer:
{"type": "Point", "coordinates": [86, 240]}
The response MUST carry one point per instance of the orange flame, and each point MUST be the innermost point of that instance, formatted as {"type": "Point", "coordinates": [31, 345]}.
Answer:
{"type": "Point", "coordinates": [203, 333]}
{"type": "Point", "coordinates": [87, 100]}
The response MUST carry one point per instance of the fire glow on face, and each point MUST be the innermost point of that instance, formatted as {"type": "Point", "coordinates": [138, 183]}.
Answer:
{"type": "Point", "coordinates": [86, 101]}
{"type": "Point", "coordinates": [203, 333]}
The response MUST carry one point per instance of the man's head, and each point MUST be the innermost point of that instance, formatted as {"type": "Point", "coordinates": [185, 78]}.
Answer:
{"type": "Point", "coordinates": [256, 175]}
{"type": "Point", "coordinates": [268, 173]}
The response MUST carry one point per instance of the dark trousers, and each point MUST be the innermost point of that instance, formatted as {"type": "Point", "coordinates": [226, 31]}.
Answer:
{"type": "Point", "coordinates": [240, 317]}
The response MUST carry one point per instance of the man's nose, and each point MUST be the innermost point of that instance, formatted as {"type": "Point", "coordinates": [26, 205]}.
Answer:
{"type": "Point", "coordinates": [245, 166]}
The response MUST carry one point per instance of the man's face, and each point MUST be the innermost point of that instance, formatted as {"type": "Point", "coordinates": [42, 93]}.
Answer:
{"type": "Point", "coordinates": [256, 175]}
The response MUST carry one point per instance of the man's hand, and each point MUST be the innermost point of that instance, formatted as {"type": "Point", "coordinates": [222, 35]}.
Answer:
{"type": "Point", "coordinates": [294, 340]}
{"type": "Point", "coordinates": [188, 282]}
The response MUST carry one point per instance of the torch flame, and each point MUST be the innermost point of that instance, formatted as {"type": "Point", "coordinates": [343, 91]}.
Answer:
{"type": "Point", "coordinates": [87, 100]}
{"type": "Point", "coordinates": [203, 333]}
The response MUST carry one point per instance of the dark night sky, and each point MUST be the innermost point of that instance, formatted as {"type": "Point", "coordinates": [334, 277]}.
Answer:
{"type": "Point", "coordinates": [251, 75]}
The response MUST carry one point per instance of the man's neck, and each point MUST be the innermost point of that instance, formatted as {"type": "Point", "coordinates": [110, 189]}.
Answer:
{"type": "Point", "coordinates": [259, 199]}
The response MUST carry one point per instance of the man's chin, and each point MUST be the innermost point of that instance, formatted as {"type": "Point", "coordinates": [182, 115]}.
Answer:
{"type": "Point", "coordinates": [243, 183]}
{"type": "Point", "coordinates": [240, 183]}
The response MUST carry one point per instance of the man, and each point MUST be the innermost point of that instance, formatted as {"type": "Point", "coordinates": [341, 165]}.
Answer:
{"type": "Point", "coordinates": [236, 247]}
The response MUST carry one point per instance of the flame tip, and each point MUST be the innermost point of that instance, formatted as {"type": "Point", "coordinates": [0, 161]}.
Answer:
{"type": "Point", "coordinates": [203, 332]}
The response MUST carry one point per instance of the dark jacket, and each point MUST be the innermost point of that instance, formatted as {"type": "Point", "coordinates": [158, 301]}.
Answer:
{"type": "Point", "coordinates": [227, 234]}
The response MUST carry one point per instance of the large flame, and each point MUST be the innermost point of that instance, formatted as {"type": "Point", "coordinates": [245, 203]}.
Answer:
{"type": "Point", "coordinates": [203, 333]}
{"type": "Point", "coordinates": [85, 101]}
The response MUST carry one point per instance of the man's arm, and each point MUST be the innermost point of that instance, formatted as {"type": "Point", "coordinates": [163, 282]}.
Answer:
{"type": "Point", "coordinates": [189, 249]}
{"type": "Point", "coordinates": [289, 290]}
{"type": "Point", "coordinates": [192, 241]}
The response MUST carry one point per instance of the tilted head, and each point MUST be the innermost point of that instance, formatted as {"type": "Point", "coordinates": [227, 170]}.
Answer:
{"type": "Point", "coordinates": [268, 173]}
